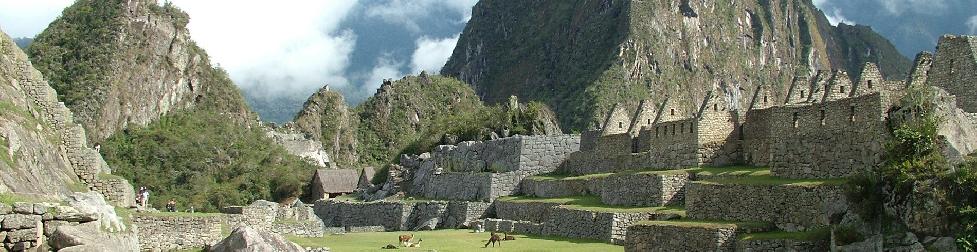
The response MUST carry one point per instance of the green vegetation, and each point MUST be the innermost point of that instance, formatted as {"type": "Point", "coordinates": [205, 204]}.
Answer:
{"type": "Point", "coordinates": [206, 161]}
{"type": "Point", "coordinates": [592, 203]}
{"type": "Point", "coordinates": [418, 113]}
{"type": "Point", "coordinates": [771, 180]}
{"type": "Point", "coordinates": [916, 174]}
{"type": "Point", "coordinates": [731, 171]}
{"type": "Point", "coordinates": [451, 240]}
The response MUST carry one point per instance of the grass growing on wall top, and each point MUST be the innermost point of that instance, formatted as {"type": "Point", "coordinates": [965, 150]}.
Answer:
{"type": "Point", "coordinates": [812, 235]}
{"type": "Point", "coordinates": [593, 203]}
{"type": "Point", "coordinates": [451, 241]}
{"type": "Point", "coordinates": [748, 225]}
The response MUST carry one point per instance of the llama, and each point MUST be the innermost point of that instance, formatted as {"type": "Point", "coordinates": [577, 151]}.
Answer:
{"type": "Point", "coordinates": [415, 245]}
{"type": "Point", "coordinates": [508, 237]}
{"type": "Point", "coordinates": [405, 239]}
{"type": "Point", "coordinates": [494, 239]}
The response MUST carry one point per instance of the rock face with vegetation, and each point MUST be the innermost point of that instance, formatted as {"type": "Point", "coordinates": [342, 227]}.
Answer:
{"type": "Point", "coordinates": [120, 64]}
{"type": "Point", "coordinates": [165, 118]}
{"type": "Point", "coordinates": [31, 160]}
{"type": "Point", "coordinates": [413, 115]}
{"type": "Point", "coordinates": [581, 57]}
{"type": "Point", "coordinates": [326, 118]}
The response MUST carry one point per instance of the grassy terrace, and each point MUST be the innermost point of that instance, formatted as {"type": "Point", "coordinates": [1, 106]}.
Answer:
{"type": "Point", "coordinates": [590, 203]}
{"type": "Point", "coordinates": [451, 240]}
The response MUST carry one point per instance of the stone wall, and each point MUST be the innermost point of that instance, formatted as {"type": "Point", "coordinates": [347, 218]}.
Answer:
{"type": "Point", "coordinates": [394, 216]}
{"type": "Point", "coordinates": [627, 189]}
{"type": "Point", "coordinates": [790, 207]}
{"type": "Point", "coordinates": [524, 211]}
{"type": "Point", "coordinates": [553, 219]}
{"type": "Point", "coordinates": [86, 162]}
{"type": "Point", "coordinates": [167, 233]}
{"type": "Point", "coordinates": [35, 226]}
{"type": "Point", "coordinates": [782, 245]}
{"type": "Point", "coordinates": [826, 140]}
{"type": "Point", "coordinates": [663, 237]}
{"type": "Point", "coordinates": [297, 219]}
{"type": "Point", "coordinates": [483, 171]}
{"type": "Point", "coordinates": [955, 69]}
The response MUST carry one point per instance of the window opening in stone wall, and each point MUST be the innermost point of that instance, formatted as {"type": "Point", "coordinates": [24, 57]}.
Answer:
{"type": "Point", "coordinates": [852, 116]}
{"type": "Point", "coordinates": [841, 89]}
{"type": "Point", "coordinates": [620, 125]}
{"type": "Point", "coordinates": [796, 116]}
{"type": "Point", "coordinates": [715, 107]}
{"type": "Point", "coordinates": [822, 117]}
{"type": "Point", "coordinates": [764, 99]}
{"type": "Point", "coordinates": [673, 130]}
{"type": "Point", "coordinates": [802, 94]}
{"type": "Point", "coordinates": [869, 84]}
{"type": "Point", "coordinates": [673, 111]}
{"type": "Point", "coordinates": [656, 131]}
{"type": "Point", "coordinates": [740, 133]}
{"type": "Point", "coordinates": [649, 121]}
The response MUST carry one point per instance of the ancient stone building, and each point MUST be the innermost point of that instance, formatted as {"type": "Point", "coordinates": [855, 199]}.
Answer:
{"type": "Point", "coordinates": [954, 69]}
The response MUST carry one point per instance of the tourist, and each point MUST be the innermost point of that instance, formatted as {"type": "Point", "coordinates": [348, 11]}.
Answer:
{"type": "Point", "coordinates": [144, 193]}
{"type": "Point", "coordinates": [171, 206]}
{"type": "Point", "coordinates": [139, 199]}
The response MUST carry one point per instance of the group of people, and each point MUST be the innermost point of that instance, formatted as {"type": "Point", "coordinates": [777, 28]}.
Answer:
{"type": "Point", "coordinates": [142, 200]}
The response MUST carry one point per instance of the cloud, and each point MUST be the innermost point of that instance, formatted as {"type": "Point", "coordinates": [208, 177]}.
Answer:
{"type": "Point", "coordinates": [386, 68]}
{"type": "Point", "coordinates": [20, 18]}
{"type": "Point", "coordinates": [431, 54]}
{"type": "Point", "coordinates": [898, 7]}
{"type": "Point", "coordinates": [409, 12]}
{"type": "Point", "coordinates": [972, 23]}
{"type": "Point", "coordinates": [835, 17]}
{"type": "Point", "coordinates": [288, 47]}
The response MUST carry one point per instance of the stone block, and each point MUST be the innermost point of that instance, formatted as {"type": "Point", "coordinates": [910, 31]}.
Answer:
{"type": "Point", "coordinates": [24, 235]}
{"type": "Point", "coordinates": [5, 209]}
{"type": "Point", "coordinates": [20, 221]}
{"type": "Point", "coordinates": [23, 208]}
{"type": "Point", "coordinates": [41, 208]}
{"type": "Point", "coordinates": [3, 237]}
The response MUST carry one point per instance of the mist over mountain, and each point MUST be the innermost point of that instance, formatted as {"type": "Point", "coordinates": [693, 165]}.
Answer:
{"type": "Point", "coordinates": [911, 25]}
{"type": "Point", "coordinates": [23, 43]}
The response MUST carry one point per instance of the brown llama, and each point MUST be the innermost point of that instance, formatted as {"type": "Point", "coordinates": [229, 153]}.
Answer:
{"type": "Point", "coordinates": [494, 239]}
{"type": "Point", "coordinates": [508, 237]}
{"type": "Point", "coordinates": [404, 239]}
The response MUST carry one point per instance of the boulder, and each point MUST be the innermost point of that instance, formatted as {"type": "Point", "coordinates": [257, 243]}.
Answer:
{"type": "Point", "coordinates": [944, 244]}
{"type": "Point", "coordinates": [92, 203]}
{"type": "Point", "coordinates": [70, 214]}
{"type": "Point", "coordinates": [246, 239]}
{"type": "Point", "coordinates": [5, 209]}
{"type": "Point", "coordinates": [90, 237]}
{"type": "Point", "coordinates": [23, 208]}
{"type": "Point", "coordinates": [24, 235]}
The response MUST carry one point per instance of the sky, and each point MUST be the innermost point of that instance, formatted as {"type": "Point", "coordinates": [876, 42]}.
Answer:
{"type": "Point", "coordinates": [280, 52]}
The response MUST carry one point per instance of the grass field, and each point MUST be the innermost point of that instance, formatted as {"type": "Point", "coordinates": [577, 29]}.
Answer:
{"type": "Point", "coordinates": [451, 240]}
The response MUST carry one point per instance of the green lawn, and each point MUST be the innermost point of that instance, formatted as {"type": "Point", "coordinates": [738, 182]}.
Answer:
{"type": "Point", "coordinates": [451, 240]}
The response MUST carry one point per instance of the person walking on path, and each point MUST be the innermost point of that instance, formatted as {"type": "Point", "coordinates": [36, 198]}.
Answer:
{"type": "Point", "coordinates": [171, 206]}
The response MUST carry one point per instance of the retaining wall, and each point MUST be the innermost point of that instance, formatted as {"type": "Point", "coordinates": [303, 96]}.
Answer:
{"type": "Point", "coordinates": [394, 216]}
{"type": "Point", "coordinates": [168, 233]}
{"type": "Point", "coordinates": [790, 207]}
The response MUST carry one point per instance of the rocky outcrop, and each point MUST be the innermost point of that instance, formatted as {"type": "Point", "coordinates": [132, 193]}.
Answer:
{"type": "Point", "coordinates": [245, 239]}
{"type": "Point", "coordinates": [299, 145]}
{"type": "Point", "coordinates": [326, 118]}
{"type": "Point", "coordinates": [43, 151]}
{"type": "Point", "coordinates": [581, 57]}
{"type": "Point", "coordinates": [127, 64]}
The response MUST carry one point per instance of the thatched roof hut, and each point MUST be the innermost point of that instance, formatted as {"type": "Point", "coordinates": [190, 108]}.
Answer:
{"type": "Point", "coordinates": [327, 183]}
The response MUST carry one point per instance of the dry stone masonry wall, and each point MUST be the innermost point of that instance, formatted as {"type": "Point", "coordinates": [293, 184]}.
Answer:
{"type": "Point", "coordinates": [168, 233]}
{"type": "Point", "coordinates": [790, 207]}
{"type": "Point", "coordinates": [625, 189]}
{"type": "Point", "coordinates": [394, 216]}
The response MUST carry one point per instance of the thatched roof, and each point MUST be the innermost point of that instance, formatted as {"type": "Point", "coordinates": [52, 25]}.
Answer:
{"type": "Point", "coordinates": [366, 176]}
{"type": "Point", "coordinates": [336, 181]}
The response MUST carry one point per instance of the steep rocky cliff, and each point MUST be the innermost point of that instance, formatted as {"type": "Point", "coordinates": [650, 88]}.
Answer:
{"type": "Point", "coordinates": [120, 63]}
{"type": "Point", "coordinates": [582, 56]}
{"type": "Point", "coordinates": [326, 118]}
{"type": "Point", "coordinates": [44, 153]}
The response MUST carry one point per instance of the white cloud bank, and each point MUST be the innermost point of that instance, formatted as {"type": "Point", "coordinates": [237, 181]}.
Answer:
{"type": "Point", "coordinates": [282, 46]}
{"type": "Point", "coordinates": [407, 12]}
{"type": "Point", "coordinates": [431, 54]}
{"type": "Point", "coordinates": [898, 7]}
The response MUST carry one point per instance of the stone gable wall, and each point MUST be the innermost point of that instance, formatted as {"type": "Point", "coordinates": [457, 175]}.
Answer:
{"type": "Point", "coordinates": [791, 208]}
{"type": "Point", "coordinates": [954, 69]}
